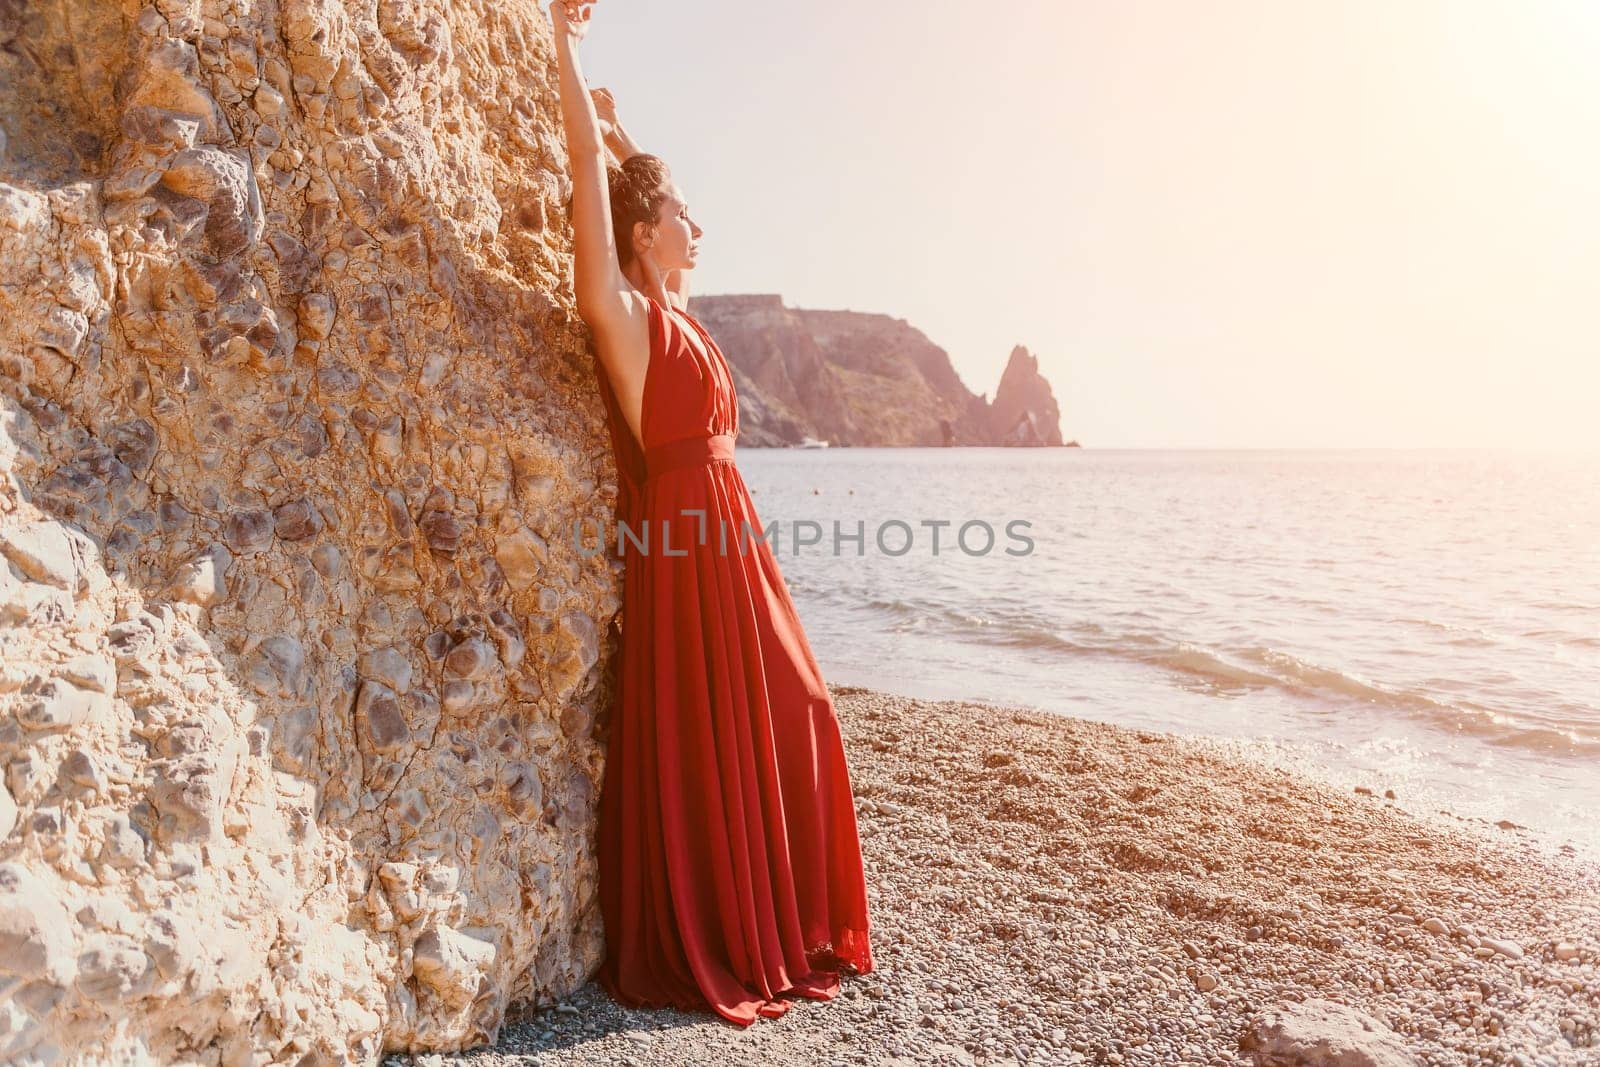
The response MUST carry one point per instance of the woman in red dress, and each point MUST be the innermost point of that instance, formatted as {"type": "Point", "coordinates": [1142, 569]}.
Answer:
{"type": "Point", "coordinates": [730, 866]}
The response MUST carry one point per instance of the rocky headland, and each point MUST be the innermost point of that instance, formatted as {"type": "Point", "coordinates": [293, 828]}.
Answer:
{"type": "Point", "coordinates": [855, 378]}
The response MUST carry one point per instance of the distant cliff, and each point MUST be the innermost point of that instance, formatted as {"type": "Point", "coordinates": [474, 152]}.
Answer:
{"type": "Point", "coordinates": [861, 379]}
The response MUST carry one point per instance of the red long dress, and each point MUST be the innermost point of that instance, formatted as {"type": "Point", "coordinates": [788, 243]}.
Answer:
{"type": "Point", "coordinates": [729, 862]}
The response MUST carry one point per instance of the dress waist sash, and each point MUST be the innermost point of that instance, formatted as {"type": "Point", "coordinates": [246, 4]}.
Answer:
{"type": "Point", "coordinates": [688, 452]}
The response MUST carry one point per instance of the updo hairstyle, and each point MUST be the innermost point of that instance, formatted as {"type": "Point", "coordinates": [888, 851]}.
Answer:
{"type": "Point", "coordinates": [638, 189]}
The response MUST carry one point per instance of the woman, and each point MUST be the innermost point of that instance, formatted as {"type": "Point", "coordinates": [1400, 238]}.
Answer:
{"type": "Point", "coordinates": [730, 867]}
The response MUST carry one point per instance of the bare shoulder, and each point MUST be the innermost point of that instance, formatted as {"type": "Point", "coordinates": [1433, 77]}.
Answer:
{"type": "Point", "coordinates": [621, 314]}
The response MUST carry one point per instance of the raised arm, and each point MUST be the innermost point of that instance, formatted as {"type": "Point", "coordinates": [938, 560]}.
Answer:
{"type": "Point", "coordinates": [598, 283]}
{"type": "Point", "coordinates": [677, 283]}
{"type": "Point", "coordinates": [617, 139]}
{"type": "Point", "coordinates": [621, 145]}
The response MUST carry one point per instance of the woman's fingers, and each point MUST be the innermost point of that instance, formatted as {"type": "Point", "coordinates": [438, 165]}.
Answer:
{"type": "Point", "coordinates": [574, 12]}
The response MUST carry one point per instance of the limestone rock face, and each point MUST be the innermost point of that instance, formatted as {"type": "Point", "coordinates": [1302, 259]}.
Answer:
{"type": "Point", "coordinates": [302, 670]}
{"type": "Point", "coordinates": [856, 378]}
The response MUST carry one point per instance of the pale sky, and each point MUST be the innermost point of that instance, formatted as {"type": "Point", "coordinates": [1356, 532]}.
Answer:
{"type": "Point", "coordinates": [1274, 223]}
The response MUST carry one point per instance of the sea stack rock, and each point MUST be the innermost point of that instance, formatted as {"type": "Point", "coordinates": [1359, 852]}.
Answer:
{"type": "Point", "coordinates": [301, 668]}
{"type": "Point", "coordinates": [1024, 411]}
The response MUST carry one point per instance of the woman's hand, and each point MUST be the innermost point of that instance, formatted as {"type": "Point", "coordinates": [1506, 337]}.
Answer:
{"type": "Point", "coordinates": [571, 17]}
{"type": "Point", "coordinates": [617, 140]}
{"type": "Point", "coordinates": [605, 107]}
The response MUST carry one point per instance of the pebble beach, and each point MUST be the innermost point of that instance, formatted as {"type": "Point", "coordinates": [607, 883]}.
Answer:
{"type": "Point", "coordinates": [1051, 890]}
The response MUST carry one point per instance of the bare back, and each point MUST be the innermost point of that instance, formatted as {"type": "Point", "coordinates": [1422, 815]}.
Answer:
{"type": "Point", "coordinates": [622, 341]}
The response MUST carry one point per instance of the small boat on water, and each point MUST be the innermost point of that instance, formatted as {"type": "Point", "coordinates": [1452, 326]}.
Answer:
{"type": "Point", "coordinates": [811, 442]}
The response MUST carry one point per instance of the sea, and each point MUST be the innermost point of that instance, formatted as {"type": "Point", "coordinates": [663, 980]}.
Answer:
{"type": "Point", "coordinates": [1425, 621]}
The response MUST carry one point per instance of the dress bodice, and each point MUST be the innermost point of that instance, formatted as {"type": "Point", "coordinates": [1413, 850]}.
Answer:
{"type": "Point", "coordinates": [688, 388]}
{"type": "Point", "coordinates": [688, 394]}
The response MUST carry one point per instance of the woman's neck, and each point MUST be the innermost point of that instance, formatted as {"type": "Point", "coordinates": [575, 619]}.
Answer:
{"type": "Point", "coordinates": [645, 278]}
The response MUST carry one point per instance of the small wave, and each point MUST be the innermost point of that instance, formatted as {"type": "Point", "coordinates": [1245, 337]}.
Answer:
{"type": "Point", "coordinates": [1192, 659]}
{"type": "Point", "coordinates": [1558, 607]}
{"type": "Point", "coordinates": [1240, 670]}
{"type": "Point", "coordinates": [1312, 677]}
{"type": "Point", "coordinates": [1466, 636]}
{"type": "Point", "coordinates": [978, 629]}
{"type": "Point", "coordinates": [1290, 673]}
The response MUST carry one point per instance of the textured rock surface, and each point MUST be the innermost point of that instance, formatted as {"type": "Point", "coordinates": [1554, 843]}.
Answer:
{"type": "Point", "coordinates": [300, 666]}
{"type": "Point", "coordinates": [1324, 1033]}
{"type": "Point", "coordinates": [854, 378]}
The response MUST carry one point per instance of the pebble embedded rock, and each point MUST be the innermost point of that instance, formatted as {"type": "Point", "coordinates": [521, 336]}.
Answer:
{"type": "Point", "coordinates": [288, 363]}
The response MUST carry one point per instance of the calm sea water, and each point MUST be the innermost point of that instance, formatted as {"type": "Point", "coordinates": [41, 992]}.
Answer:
{"type": "Point", "coordinates": [1426, 621]}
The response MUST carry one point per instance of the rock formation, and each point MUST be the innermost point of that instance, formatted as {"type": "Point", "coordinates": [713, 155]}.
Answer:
{"type": "Point", "coordinates": [301, 668]}
{"type": "Point", "coordinates": [1323, 1033]}
{"type": "Point", "coordinates": [855, 378]}
{"type": "Point", "coordinates": [1024, 411]}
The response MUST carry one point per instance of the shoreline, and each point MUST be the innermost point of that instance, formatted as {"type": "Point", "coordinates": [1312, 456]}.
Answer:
{"type": "Point", "coordinates": [1428, 801]}
{"type": "Point", "coordinates": [1549, 841]}
{"type": "Point", "coordinates": [1052, 890]}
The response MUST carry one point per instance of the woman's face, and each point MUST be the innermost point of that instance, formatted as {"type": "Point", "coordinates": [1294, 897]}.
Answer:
{"type": "Point", "coordinates": [677, 236]}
